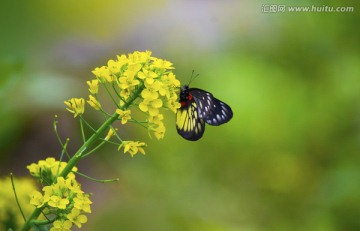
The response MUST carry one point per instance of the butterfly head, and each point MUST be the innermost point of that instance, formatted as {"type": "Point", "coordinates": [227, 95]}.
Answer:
{"type": "Point", "coordinates": [185, 95]}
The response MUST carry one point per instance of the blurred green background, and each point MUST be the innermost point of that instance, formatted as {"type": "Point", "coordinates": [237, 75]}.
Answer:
{"type": "Point", "coordinates": [288, 160]}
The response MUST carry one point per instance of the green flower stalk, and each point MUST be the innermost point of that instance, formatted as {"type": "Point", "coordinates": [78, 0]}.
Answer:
{"type": "Point", "coordinates": [137, 81]}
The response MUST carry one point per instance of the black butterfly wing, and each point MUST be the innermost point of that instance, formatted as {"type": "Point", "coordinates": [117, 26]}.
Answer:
{"type": "Point", "coordinates": [188, 123]}
{"type": "Point", "coordinates": [219, 113]}
{"type": "Point", "coordinates": [204, 101]}
{"type": "Point", "coordinates": [212, 110]}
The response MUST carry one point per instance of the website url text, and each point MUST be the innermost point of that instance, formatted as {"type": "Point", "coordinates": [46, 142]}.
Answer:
{"type": "Point", "coordinates": [274, 8]}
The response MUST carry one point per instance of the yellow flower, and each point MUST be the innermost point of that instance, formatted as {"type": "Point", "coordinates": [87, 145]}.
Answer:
{"type": "Point", "coordinates": [162, 64]}
{"type": "Point", "coordinates": [151, 90]}
{"type": "Point", "coordinates": [164, 90]}
{"type": "Point", "coordinates": [148, 76]}
{"type": "Point", "coordinates": [125, 93]}
{"type": "Point", "coordinates": [132, 69]}
{"type": "Point", "coordinates": [47, 163]}
{"type": "Point", "coordinates": [124, 115]}
{"type": "Point", "coordinates": [139, 57]}
{"type": "Point", "coordinates": [159, 131]}
{"type": "Point", "coordinates": [37, 199]}
{"type": "Point", "coordinates": [151, 106]}
{"type": "Point", "coordinates": [58, 202]}
{"type": "Point", "coordinates": [61, 225]}
{"type": "Point", "coordinates": [62, 186]}
{"type": "Point", "coordinates": [172, 81]}
{"type": "Point", "coordinates": [48, 191]}
{"type": "Point", "coordinates": [34, 169]}
{"type": "Point", "coordinates": [94, 103]}
{"type": "Point", "coordinates": [122, 59]}
{"type": "Point", "coordinates": [77, 218]}
{"type": "Point", "coordinates": [82, 203]}
{"type": "Point", "coordinates": [114, 66]}
{"type": "Point", "coordinates": [173, 104]}
{"type": "Point", "coordinates": [75, 187]}
{"type": "Point", "coordinates": [111, 133]}
{"type": "Point", "coordinates": [93, 86]}
{"type": "Point", "coordinates": [126, 82]}
{"type": "Point", "coordinates": [133, 147]}
{"type": "Point", "coordinates": [156, 119]}
{"type": "Point", "coordinates": [75, 106]}
{"type": "Point", "coordinates": [169, 85]}
{"type": "Point", "coordinates": [103, 74]}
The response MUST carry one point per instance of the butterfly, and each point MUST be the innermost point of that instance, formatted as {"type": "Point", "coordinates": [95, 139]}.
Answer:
{"type": "Point", "coordinates": [197, 108]}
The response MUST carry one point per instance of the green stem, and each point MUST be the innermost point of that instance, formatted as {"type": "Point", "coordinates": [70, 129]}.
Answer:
{"type": "Point", "coordinates": [112, 98]}
{"type": "Point", "coordinates": [97, 180]}
{"type": "Point", "coordinates": [16, 197]}
{"type": "Point", "coordinates": [79, 154]}
{"type": "Point", "coordinates": [58, 137]}
{"type": "Point", "coordinates": [94, 149]}
{"type": "Point", "coordinates": [33, 216]}
{"type": "Point", "coordinates": [82, 130]}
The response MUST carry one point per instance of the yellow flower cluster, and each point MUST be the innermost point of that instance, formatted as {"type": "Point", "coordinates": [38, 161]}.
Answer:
{"type": "Point", "coordinates": [137, 79]}
{"type": "Point", "coordinates": [64, 197]}
{"type": "Point", "coordinates": [10, 217]}
{"type": "Point", "coordinates": [47, 170]}
{"type": "Point", "coordinates": [139, 75]}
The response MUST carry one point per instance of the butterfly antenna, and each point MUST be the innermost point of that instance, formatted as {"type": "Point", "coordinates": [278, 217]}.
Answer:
{"type": "Point", "coordinates": [192, 77]}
